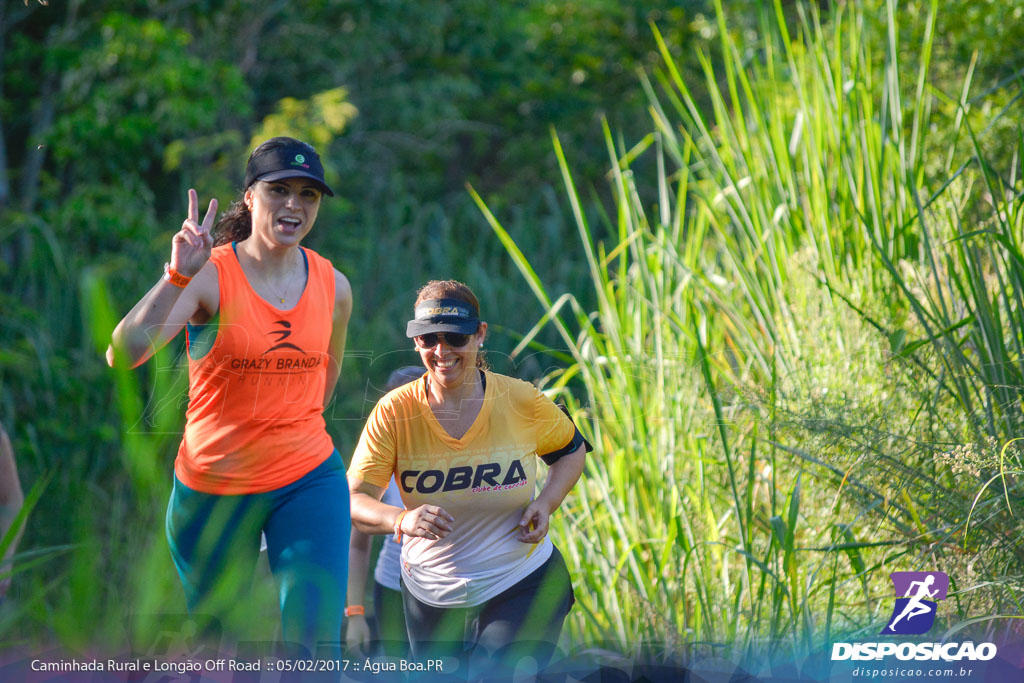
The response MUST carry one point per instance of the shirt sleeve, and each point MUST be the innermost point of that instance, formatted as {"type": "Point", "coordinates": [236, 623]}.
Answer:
{"type": "Point", "coordinates": [376, 454]}
{"type": "Point", "coordinates": [554, 429]}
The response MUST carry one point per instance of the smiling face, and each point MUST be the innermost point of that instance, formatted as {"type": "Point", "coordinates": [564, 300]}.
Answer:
{"type": "Point", "coordinates": [283, 211]}
{"type": "Point", "coordinates": [451, 367]}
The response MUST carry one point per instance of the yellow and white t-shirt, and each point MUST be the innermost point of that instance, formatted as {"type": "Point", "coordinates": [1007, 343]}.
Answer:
{"type": "Point", "coordinates": [484, 480]}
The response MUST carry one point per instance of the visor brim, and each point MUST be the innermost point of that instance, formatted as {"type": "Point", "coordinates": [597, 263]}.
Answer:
{"type": "Point", "coordinates": [289, 173]}
{"type": "Point", "coordinates": [415, 328]}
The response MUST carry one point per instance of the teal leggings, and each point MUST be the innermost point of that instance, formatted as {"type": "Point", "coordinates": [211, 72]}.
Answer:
{"type": "Point", "coordinates": [215, 543]}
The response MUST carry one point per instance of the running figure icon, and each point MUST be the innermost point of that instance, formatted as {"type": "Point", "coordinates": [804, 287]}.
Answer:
{"type": "Point", "coordinates": [915, 607]}
{"type": "Point", "coordinates": [919, 591]}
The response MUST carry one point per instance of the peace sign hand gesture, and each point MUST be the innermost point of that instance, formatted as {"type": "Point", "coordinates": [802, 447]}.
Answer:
{"type": "Point", "coordinates": [190, 248]}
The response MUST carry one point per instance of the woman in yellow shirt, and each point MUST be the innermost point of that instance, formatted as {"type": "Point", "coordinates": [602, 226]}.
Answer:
{"type": "Point", "coordinates": [479, 573]}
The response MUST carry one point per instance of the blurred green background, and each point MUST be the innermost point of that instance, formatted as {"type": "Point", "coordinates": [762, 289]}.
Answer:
{"type": "Point", "coordinates": [770, 253]}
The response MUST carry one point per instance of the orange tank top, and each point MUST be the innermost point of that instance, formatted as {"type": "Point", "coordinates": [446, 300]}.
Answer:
{"type": "Point", "coordinates": [255, 401]}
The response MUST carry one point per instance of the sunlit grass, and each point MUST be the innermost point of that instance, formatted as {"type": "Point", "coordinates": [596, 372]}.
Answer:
{"type": "Point", "coordinates": [734, 505]}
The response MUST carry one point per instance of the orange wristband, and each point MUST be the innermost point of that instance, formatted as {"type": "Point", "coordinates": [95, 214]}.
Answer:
{"type": "Point", "coordinates": [174, 277]}
{"type": "Point", "coordinates": [353, 610]}
{"type": "Point", "coordinates": [397, 538]}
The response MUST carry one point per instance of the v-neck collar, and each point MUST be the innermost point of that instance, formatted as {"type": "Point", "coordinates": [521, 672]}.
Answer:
{"type": "Point", "coordinates": [474, 429]}
{"type": "Point", "coordinates": [252, 289]}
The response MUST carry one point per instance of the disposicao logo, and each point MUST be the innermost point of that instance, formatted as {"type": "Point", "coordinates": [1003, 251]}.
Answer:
{"type": "Point", "coordinates": [914, 613]}
{"type": "Point", "coordinates": [917, 596]}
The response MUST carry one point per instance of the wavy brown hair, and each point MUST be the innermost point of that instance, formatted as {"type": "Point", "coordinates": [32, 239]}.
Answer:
{"type": "Point", "coordinates": [234, 225]}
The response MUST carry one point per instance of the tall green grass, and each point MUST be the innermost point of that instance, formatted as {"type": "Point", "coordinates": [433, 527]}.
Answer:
{"type": "Point", "coordinates": [773, 399]}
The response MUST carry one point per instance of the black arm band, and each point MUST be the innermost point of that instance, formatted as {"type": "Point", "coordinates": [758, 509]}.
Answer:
{"type": "Point", "coordinates": [577, 441]}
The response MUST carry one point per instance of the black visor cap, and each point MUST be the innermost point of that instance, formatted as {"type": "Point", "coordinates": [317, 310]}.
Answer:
{"type": "Point", "coordinates": [293, 159]}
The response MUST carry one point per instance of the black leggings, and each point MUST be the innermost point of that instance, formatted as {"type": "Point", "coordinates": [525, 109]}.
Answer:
{"type": "Point", "coordinates": [525, 620]}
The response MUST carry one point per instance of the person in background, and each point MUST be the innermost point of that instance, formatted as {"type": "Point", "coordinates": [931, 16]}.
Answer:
{"type": "Point", "coordinates": [389, 633]}
{"type": "Point", "coordinates": [481, 580]}
{"type": "Point", "coordinates": [266, 323]}
{"type": "Point", "coordinates": [11, 500]}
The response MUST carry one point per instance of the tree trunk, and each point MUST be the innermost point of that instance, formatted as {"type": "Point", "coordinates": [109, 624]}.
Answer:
{"type": "Point", "coordinates": [35, 154]}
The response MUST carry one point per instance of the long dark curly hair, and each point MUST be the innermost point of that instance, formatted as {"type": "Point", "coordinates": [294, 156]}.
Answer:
{"type": "Point", "coordinates": [234, 225]}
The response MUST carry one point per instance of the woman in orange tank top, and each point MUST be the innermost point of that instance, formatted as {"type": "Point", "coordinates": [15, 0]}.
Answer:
{"type": "Point", "coordinates": [266, 321]}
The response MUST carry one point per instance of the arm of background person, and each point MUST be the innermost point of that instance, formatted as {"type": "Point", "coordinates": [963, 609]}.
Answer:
{"type": "Point", "coordinates": [11, 500]}
{"type": "Point", "coordinates": [357, 630]}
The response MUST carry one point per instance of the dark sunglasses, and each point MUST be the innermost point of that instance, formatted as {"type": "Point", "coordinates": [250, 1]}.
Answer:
{"type": "Point", "coordinates": [456, 340]}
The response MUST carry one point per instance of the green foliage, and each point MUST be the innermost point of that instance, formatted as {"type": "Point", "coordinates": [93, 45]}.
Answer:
{"type": "Point", "coordinates": [318, 121]}
{"type": "Point", "coordinates": [138, 86]}
{"type": "Point", "coordinates": [798, 348]}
